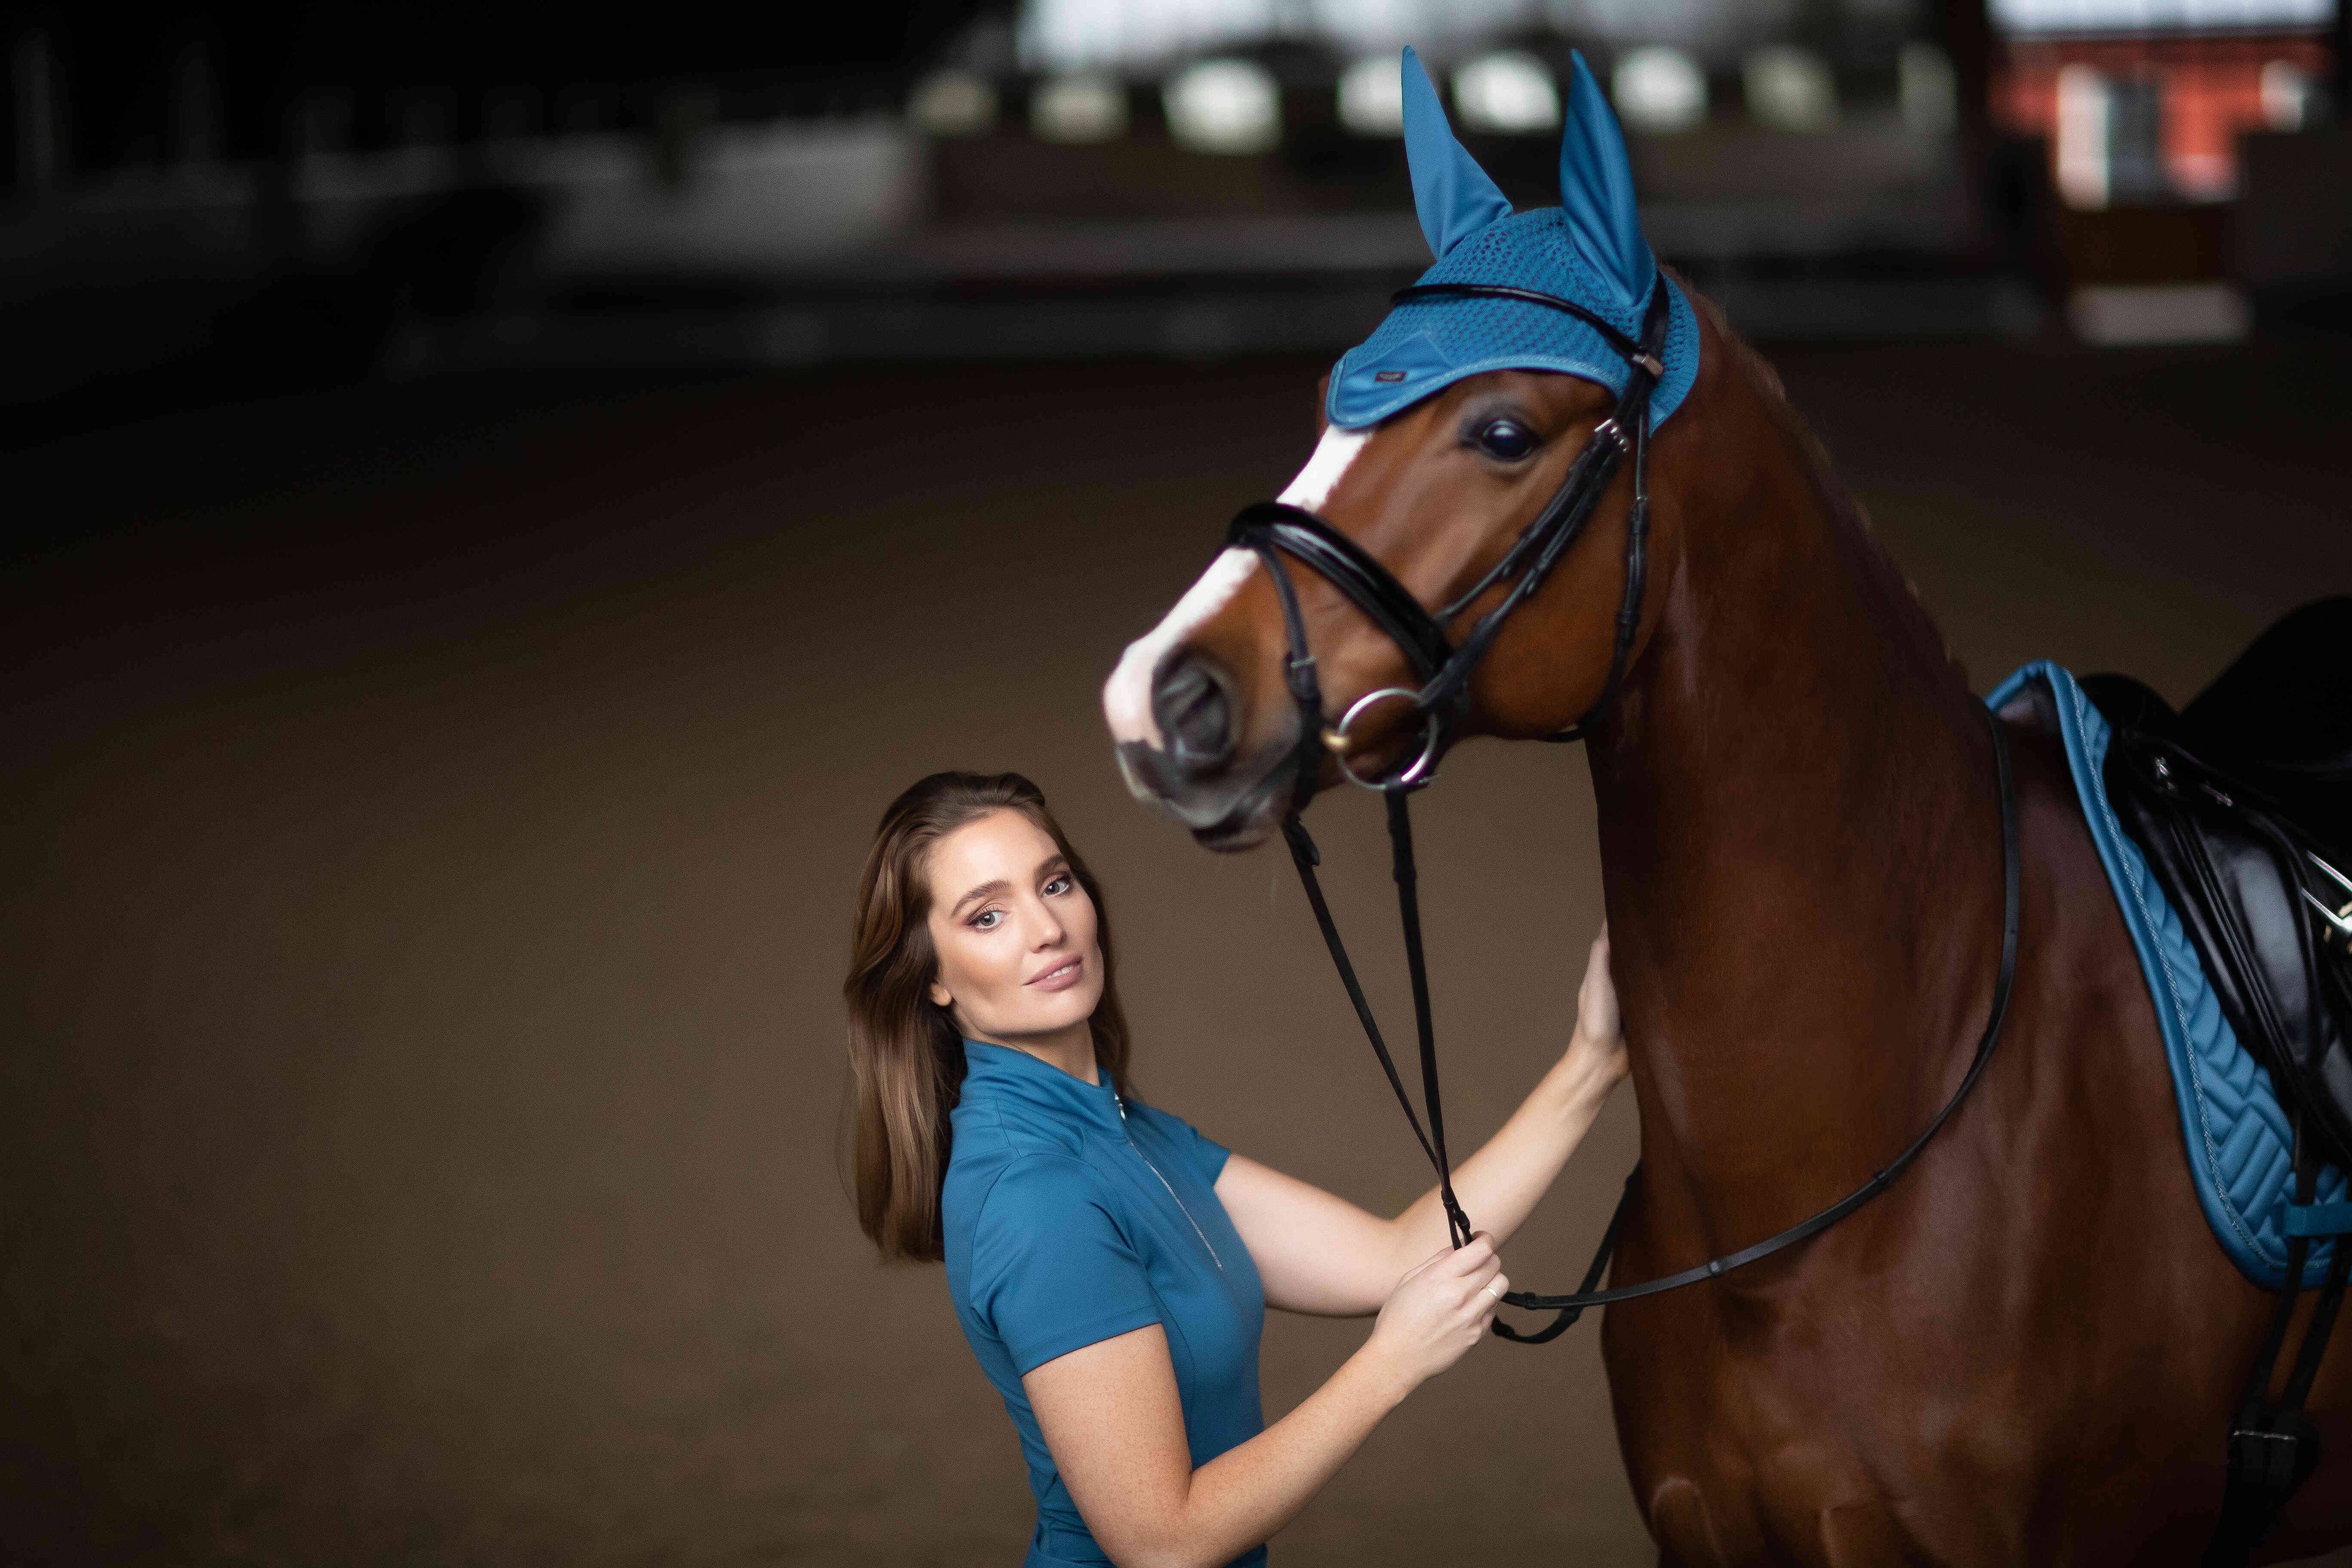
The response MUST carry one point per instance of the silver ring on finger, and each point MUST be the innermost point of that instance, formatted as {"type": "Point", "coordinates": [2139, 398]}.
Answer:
{"type": "Point", "coordinates": [1490, 1290]}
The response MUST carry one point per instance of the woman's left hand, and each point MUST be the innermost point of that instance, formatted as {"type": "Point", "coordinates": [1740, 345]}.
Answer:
{"type": "Point", "coordinates": [1599, 1043]}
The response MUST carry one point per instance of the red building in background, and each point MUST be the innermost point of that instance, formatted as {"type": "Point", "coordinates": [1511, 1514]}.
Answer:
{"type": "Point", "coordinates": [2143, 105]}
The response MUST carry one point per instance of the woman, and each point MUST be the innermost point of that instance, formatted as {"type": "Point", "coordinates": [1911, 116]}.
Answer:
{"type": "Point", "coordinates": [1111, 1266]}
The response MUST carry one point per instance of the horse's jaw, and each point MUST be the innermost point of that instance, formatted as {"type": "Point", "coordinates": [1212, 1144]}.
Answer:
{"type": "Point", "coordinates": [1234, 809]}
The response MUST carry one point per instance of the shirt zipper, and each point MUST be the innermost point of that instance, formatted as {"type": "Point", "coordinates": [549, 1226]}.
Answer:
{"type": "Point", "coordinates": [1117, 1099]}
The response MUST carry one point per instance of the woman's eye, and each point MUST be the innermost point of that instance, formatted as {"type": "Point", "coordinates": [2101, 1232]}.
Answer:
{"type": "Point", "coordinates": [1506, 439]}
{"type": "Point", "coordinates": [1058, 885]}
{"type": "Point", "coordinates": [987, 920]}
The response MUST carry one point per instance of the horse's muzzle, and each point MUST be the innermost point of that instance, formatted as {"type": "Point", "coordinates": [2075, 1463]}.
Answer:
{"type": "Point", "coordinates": [1235, 807]}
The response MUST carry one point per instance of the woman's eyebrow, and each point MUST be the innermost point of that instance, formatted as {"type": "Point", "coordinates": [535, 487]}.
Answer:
{"type": "Point", "coordinates": [986, 890]}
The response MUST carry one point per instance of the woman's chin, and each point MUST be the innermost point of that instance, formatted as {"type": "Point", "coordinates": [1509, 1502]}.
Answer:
{"type": "Point", "coordinates": [1064, 1010]}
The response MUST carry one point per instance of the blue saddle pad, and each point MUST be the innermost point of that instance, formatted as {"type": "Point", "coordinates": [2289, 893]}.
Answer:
{"type": "Point", "coordinates": [2236, 1133]}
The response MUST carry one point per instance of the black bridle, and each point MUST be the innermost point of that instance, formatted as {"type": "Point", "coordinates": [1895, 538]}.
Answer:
{"type": "Point", "coordinates": [1274, 530]}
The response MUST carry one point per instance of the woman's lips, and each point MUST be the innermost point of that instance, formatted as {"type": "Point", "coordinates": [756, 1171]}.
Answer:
{"type": "Point", "coordinates": [1062, 976]}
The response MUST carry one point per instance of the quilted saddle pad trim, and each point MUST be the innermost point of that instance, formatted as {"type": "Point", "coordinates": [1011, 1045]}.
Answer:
{"type": "Point", "coordinates": [2236, 1133]}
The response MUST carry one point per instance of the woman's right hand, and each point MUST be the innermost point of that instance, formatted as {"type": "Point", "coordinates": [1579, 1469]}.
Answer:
{"type": "Point", "coordinates": [1437, 1313]}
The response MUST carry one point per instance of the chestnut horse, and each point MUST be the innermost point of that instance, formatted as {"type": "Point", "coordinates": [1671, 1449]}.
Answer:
{"type": "Point", "coordinates": [2029, 1347]}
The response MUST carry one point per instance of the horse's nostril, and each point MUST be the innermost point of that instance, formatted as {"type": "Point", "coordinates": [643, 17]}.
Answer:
{"type": "Point", "coordinates": [1192, 700]}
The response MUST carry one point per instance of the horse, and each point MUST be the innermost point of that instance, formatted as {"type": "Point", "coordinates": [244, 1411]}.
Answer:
{"type": "Point", "coordinates": [2029, 1347]}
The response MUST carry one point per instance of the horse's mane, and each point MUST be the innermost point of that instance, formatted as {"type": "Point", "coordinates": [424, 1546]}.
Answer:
{"type": "Point", "coordinates": [1757, 374]}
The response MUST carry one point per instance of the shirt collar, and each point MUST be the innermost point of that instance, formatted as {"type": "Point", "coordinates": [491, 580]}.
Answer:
{"type": "Point", "coordinates": [1001, 1073]}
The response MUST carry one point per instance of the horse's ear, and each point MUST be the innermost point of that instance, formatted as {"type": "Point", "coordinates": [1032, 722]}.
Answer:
{"type": "Point", "coordinates": [1452, 194]}
{"type": "Point", "coordinates": [1596, 190]}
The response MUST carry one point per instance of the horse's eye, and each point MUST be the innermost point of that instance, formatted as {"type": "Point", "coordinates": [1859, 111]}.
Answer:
{"type": "Point", "coordinates": [1506, 439]}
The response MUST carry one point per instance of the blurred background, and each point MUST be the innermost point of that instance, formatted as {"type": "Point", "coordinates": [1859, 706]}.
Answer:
{"type": "Point", "coordinates": [214, 200]}
{"type": "Point", "coordinates": [494, 502]}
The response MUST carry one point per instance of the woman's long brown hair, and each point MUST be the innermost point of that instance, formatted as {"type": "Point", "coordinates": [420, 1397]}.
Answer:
{"type": "Point", "coordinates": [905, 1054]}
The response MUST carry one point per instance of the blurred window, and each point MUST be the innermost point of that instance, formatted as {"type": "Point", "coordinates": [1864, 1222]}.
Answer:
{"type": "Point", "coordinates": [1507, 93]}
{"type": "Point", "coordinates": [197, 130]}
{"type": "Point", "coordinates": [1926, 89]}
{"type": "Point", "coordinates": [1790, 89]}
{"type": "Point", "coordinates": [1372, 97]}
{"type": "Point", "coordinates": [2081, 153]}
{"type": "Point", "coordinates": [2157, 16]}
{"type": "Point", "coordinates": [510, 114]}
{"type": "Point", "coordinates": [1085, 107]}
{"type": "Point", "coordinates": [1086, 35]}
{"type": "Point", "coordinates": [2286, 95]}
{"type": "Point", "coordinates": [1139, 36]}
{"type": "Point", "coordinates": [322, 122]}
{"type": "Point", "coordinates": [1224, 106]}
{"type": "Point", "coordinates": [1659, 89]}
{"type": "Point", "coordinates": [2135, 163]}
{"type": "Point", "coordinates": [953, 103]}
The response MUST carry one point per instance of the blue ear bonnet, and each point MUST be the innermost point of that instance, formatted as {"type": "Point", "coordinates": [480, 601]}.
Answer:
{"type": "Point", "coordinates": [1424, 347]}
{"type": "Point", "coordinates": [1589, 250]}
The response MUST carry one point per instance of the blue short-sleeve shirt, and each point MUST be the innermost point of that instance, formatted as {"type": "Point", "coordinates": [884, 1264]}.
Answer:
{"type": "Point", "coordinates": [1072, 1216]}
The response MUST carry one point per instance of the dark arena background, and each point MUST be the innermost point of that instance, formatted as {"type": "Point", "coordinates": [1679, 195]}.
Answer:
{"type": "Point", "coordinates": [496, 501]}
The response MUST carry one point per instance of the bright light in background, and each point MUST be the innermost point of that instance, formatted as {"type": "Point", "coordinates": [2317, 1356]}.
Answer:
{"type": "Point", "coordinates": [2159, 313]}
{"type": "Point", "coordinates": [1790, 89]}
{"type": "Point", "coordinates": [2083, 155]}
{"type": "Point", "coordinates": [1506, 94]}
{"type": "Point", "coordinates": [2153, 15]}
{"type": "Point", "coordinates": [1085, 107]}
{"type": "Point", "coordinates": [1224, 106]}
{"type": "Point", "coordinates": [1372, 97]}
{"type": "Point", "coordinates": [1392, 24]}
{"type": "Point", "coordinates": [1091, 35]}
{"type": "Point", "coordinates": [2286, 95]}
{"type": "Point", "coordinates": [953, 103]}
{"type": "Point", "coordinates": [1926, 89]}
{"type": "Point", "coordinates": [1712, 29]}
{"type": "Point", "coordinates": [1142, 35]}
{"type": "Point", "coordinates": [1658, 89]}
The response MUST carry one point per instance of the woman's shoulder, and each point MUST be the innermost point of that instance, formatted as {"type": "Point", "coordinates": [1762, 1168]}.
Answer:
{"type": "Point", "coordinates": [1025, 1191]}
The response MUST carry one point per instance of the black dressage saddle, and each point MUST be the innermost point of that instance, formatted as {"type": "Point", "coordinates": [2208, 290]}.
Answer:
{"type": "Point", "coordinates": [2241, 803]}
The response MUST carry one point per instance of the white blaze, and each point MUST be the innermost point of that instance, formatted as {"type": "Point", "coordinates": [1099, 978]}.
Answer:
{"type": "Point", "coordinates": [1127, 695]}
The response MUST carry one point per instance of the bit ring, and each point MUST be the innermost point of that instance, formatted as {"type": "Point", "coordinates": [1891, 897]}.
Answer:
{"type": "Point", "coordinates": [1335, 741]}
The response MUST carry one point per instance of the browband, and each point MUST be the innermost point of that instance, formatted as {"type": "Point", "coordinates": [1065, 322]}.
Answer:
{"type": "Point", "coordinates": [1627, 349]}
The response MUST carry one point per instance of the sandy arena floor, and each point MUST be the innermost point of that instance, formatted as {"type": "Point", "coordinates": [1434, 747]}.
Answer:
{"type": "Point", "coordinates": [430, 821]}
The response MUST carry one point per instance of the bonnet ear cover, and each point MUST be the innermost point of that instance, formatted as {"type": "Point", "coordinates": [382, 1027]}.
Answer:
{"type": "Point", "coordinates": [1588, 250]}
{"type": "Point", "coordinates": [1451, 193]}
{"type": "Point", "coordinates": [1596, 192]}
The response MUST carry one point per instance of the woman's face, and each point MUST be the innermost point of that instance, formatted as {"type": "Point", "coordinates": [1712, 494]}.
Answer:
{"type": "Point", "coordinates": [1014, 931]}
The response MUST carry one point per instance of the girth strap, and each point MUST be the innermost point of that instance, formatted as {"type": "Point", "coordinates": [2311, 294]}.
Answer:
{"type": "Point", "coordinates": [2274, 1446]}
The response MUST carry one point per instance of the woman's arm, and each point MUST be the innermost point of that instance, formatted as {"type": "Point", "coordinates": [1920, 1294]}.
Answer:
{"type": "Point", "coordinates": [1112, 1418]}
{"type": "Point", "coordinates": [1321, 1254]}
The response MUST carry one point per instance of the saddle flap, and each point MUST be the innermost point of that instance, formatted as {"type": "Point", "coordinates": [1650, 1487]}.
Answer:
{"type": "Point", "coordinates": [2235, 866]}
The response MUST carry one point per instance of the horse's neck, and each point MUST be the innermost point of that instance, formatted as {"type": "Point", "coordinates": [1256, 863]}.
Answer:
{"type": "Point", "coordinates": [1799, 839]}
